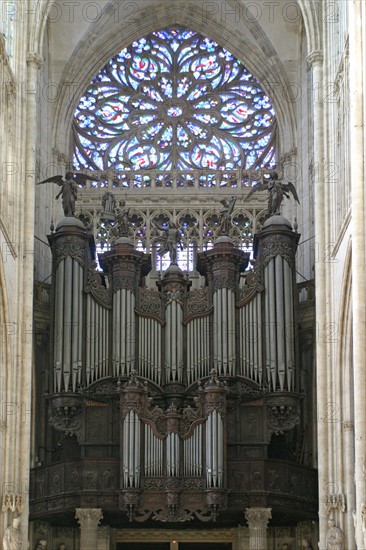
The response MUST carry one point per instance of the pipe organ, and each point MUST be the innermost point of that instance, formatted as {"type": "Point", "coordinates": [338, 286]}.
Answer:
{"type": "Point", "coordinates": [163, 380]}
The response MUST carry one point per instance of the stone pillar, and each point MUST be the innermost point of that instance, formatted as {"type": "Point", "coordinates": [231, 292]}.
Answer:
{"type": "Point", "coordinates": [18, 433]}
{"type": "Point", "coordinates": [88, 519]}
{"type": "Point", "coordinates": [357, 15]}
{"type": "Point", "coordinates": [258, 519]}
{"type": "Point", "coordinates": [315, 61]}
{"type": "Point", "coordinates": [104, 537]}
{"type": "Point", "coordinates": [241, 541]}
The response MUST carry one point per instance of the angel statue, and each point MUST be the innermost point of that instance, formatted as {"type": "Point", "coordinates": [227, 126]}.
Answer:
{"type": "Point", "coordinates": [169, 238]}
{"type": "Point", "coordinates": [225, 213]}
{"type": "Point", "coordinates": [69, 189]}
{"type": "Point", "coordinates": [277, 190]}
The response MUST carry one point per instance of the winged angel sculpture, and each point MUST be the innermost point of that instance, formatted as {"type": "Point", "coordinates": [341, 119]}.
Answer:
{"type": "Point", "coordinates": [277, 190]}
{"type": "Point", "coordinates": [69, 189]}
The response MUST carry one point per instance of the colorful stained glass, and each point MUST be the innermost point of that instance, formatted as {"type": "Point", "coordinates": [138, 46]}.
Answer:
{"type": "Point", "coordinates": [174, 100]}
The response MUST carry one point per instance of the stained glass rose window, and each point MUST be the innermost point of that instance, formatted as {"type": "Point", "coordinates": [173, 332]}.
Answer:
{"type": "Point", "coordinates": [174, 100]}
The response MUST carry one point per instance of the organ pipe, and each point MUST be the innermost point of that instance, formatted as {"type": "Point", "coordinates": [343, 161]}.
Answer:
{"type": "Point", "coordinates": [192, 450]}
{"type": "Point", "coordinates": [67, 321]}
{"type": "Point", "coordinates": [131, 466]}
{"type": "Point", "coordinates": [59, 328]}
{"type": "Point", "coordinates": [214, 450]}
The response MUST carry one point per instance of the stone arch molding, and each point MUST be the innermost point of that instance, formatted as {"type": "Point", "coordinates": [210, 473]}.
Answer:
{"type": "Point", "coordinates": [107, 36]}
{"type": "Point", "coordinates": [4, 348]}
{"type": "Point", "coordinates": [345, 359]}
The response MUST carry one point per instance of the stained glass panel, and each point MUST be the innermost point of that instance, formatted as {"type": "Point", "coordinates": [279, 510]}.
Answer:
{"type": "Point", "coordinates": [174, 100]}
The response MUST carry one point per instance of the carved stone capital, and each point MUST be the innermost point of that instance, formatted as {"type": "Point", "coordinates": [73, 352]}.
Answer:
{"type": "Point", "coordinates": [258, 518]}
{"type": "Point", "coordinates": [315, 58]}
{"type": "Point", "coordinates": [35, 59]}
{"type": "Point", "coordinates": [88, 517]}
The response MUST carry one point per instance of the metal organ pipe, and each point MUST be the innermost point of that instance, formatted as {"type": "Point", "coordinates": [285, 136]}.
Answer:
{"type": "Point", "coordinates": [75, 322]}
{"type": "Point", "coordinates": [116, 333]}
{"type": "Point", "coordinates": [131, 450]}
{"type": "Point", "coordinates": [173, 336]}
{"type": "Point", "coordinates": [280, 333]}
{"type": "Point", "coordinates": [67, 322]}
{"type": "Point", "coordinates": [247, 343]}
{"type": "Point", "coordinates": [231, 332]}
{"type": "Point", "coordinates": [255, 338]}
{"type": "Point", "coordinates": [218, 330]}
{"type": "Point", "coordinates": [259, 340]}
{"type": "Point", "coordinates": [215, 335]}
{"type": "Point", "coordinates": [150, 348]}
{"type": "Point", "coordinates": [59, 328]}
{"type": "Point", "coordinates": [172, 442]}
{"type": "Point", "coordinates": [214, 450]}
{"type": "Point", "coordinates": [92, 341]}
{"type": "Point", "coordinates": [220, 450]}
{"type": "Point", "coordinates": [97, 340]}
{"type": "Point", "coordinates": [137, 443]}
{"type": "Point", "coordinates": [272, 322]}
{"type": "Point", "coordinates": [121, 327]}
{"type": "Point", "coordinates": [289, 326]}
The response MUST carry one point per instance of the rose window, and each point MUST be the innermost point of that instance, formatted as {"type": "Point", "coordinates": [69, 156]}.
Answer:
{"type": "Point", "coordinates": [174, 100]}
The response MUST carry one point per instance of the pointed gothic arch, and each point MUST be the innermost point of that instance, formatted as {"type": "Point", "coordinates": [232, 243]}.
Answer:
{"type": "Point", "coordinates": [106, 37]}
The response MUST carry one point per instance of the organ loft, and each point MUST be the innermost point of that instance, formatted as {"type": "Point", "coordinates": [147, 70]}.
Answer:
{"type": "Point", "coordinates": [173, 398]}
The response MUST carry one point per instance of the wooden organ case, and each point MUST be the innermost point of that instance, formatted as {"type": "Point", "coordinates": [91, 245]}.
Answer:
{"type": "Point", "coordinates": [172, 404]}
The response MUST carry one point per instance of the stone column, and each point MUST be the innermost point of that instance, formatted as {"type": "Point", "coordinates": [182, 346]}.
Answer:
{"type": "Point", "coordinates": [258, 519]}
{"type": "Point", "coordinates": [241, 538]}
{"type": "Point", "coordinates": [88, 519]}
{"type": "Point", "coordinates": [356, 14]}
{"type": "Point", "coordinates": [104, 537]}
{"type": "Point", "coordinates": [315, 61]}
{"type": "Point", "coordinates": [20, 434]}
